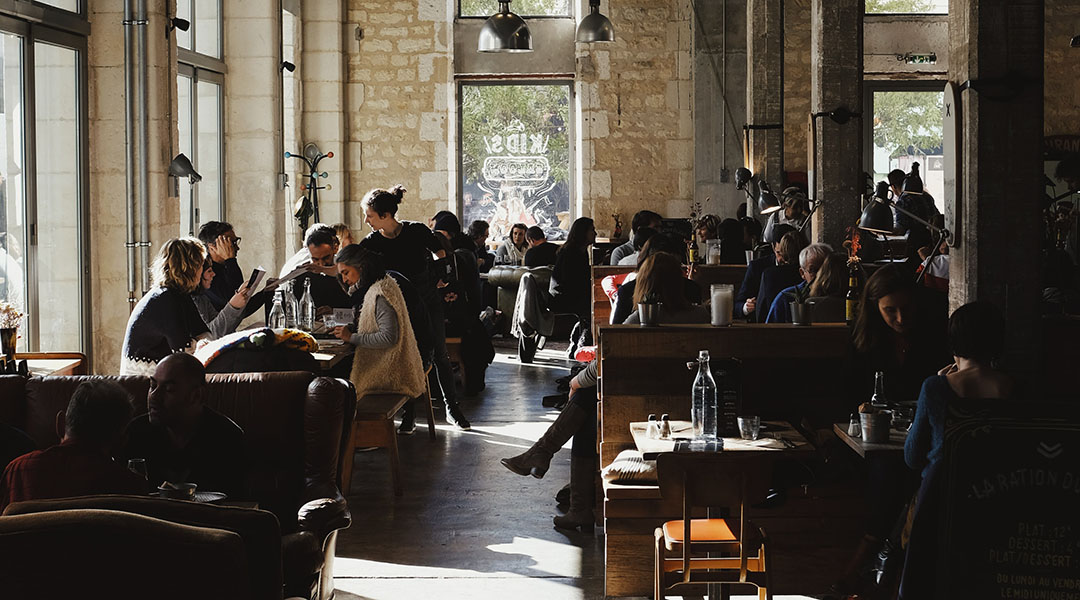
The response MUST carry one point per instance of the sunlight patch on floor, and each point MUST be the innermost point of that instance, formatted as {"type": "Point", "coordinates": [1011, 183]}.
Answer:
{"type": "Point", "coordinates": [550, 557]}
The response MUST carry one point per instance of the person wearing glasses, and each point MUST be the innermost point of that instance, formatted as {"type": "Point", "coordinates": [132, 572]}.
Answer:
{"type": "Point", "coordinates": [223, 245]}
{"type": "Point", "coordinates": [810, 260]}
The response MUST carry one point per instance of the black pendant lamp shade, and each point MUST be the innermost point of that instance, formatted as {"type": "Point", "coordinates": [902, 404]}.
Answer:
{"type": "Point", "coordinates": [595, 27]}
{"type": "Point", "coordinates": [877, 217]}
{"type": "Point", "coordinates": [505, 32]}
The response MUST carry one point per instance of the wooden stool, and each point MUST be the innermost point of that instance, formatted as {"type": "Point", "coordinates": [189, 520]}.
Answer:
{"type": "Point", "coordinates": [374, 426]}
{"type": "Point", "coordinates": [453, 349]}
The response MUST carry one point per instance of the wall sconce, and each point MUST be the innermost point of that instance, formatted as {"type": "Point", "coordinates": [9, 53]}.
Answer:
{"type": "Point", "coordinates": [176, 23]}
{"type": "Point", "coordinates": [288, 66]}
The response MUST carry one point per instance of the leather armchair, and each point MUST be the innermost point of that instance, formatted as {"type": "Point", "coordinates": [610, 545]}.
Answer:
{"type": "Point", "coordinates": [113, 554]}
{"type": "Point", "coordinates": [505, 278]}
{"type": "Point", "coordinates": [294, 430]}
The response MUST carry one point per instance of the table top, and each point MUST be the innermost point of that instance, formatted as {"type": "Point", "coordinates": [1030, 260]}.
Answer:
{"type": "Point", "coordinates": [650, 448]}
{"type": "Point", "coordinates": [40, 367]}
{"type": "Point", "coordinates": [895, 445]}
{"type": "Point", "coordinates": [331, 352]}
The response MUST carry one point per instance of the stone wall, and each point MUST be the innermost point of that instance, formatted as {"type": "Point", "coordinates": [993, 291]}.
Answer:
{"type": "Point", "coordinates": [1062, 69]}
{"type": "Point", "coordinates": [400, 102]}
{"type": "Point", "coordinates": [796, 83]}
{"type": "Point", "coordinates": [637, 122]}
{"type": "Point", "coordinates": [108, 295]}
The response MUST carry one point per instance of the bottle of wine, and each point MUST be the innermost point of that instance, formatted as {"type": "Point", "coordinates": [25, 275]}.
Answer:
{"type": "Point", "coordinates": [307, 308]}
{"type": "Point", "coordinates": [853, 292]}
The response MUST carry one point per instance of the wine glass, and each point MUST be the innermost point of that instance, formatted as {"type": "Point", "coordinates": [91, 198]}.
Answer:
{"type": "Point", "coordinates": [138, 467]}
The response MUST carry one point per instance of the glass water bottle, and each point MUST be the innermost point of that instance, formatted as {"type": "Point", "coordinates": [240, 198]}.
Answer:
{"type": "Point", "coordinates": [307, 308]}
{"type": "Point", "coordinates": [703, 409]}
{"type": "Point", "coordinates": [277, 313]}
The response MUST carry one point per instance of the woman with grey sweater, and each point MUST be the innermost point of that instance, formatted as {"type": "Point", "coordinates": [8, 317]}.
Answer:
{"type": "Point", "coordinates": [225, 321]}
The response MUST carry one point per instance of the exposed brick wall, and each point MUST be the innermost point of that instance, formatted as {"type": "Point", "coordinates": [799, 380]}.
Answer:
{"type": "Point", "coordinates": [797, 73]}
{"type": "Point", "coordinates": [400, 102]}
{"type": "Point", "coordinates": [637, 122]}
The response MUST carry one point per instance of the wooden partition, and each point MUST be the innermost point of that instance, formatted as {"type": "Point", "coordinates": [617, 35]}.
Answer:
{"type": "Point", "coordinates": [787, 372]}
{"type": "Point", "coordinates": [705, 275]}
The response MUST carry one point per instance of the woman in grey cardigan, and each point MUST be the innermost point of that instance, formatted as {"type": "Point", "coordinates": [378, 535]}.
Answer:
{"type": "Point", "coordinates": [223, 322]}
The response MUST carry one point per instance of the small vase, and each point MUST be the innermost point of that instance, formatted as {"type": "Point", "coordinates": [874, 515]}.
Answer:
{"type": "Point", "coordinates": [800, 313]}
{"type": "Point", "coordinates": [8, 337]}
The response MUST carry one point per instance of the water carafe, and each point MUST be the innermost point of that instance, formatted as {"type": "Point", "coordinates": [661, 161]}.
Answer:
{"type": "Point", "coordinates": [703, 408]}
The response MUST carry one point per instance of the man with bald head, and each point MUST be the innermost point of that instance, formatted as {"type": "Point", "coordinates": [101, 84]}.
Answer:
{"type": "Point", "coordinates": [182, 439]}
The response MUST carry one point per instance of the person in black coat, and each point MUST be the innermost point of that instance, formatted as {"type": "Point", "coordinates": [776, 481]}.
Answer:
{"type": "Point", "coordinates": [746, 299]}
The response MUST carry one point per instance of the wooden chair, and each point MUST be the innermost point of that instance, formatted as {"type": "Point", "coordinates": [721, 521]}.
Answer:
{"type": "Point", "coordinates": [730, 550]}
{"type": "Point", "coordinates": [373, 426]}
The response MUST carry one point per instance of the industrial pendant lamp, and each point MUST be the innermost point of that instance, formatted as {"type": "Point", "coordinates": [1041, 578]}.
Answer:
{"type": "Point", "coordinates": [595, 27]}
{"type": "Point", "coordinates": [505, 32]}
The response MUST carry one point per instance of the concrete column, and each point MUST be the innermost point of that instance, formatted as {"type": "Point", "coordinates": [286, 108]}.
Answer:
{"type": "Point", "coordinates": [837, 71]}
{"type": "Point", "coordinates": [323, 69]}
{"type": "Point", "coordinates": [765, 89]}
{"type": "Point", "coordinates": [253, 151]}
{"type": "Point", "coordinates": [998, 44]}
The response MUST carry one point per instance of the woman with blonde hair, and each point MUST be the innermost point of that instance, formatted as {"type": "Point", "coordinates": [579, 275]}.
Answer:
{"type": "Point", "coordinates": [165, 320]}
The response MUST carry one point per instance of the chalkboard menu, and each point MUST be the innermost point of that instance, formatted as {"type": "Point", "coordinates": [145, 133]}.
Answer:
{"type": "Point", "coordinates": [1012, 513]}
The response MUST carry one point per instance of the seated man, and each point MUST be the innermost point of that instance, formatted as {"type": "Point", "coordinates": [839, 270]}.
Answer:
{"type": "Point", "coordinates": [183, 440]}
{"type": "Point", "coordinates": [746, 298]}
{"type": "Point", "coordinates": [81, 464]}
{"type": "Point", "coordinates": [322, 244]}
{"type": "Point", "coordinates": [642, 218]}
{"type": "Point", "coordinates": [810, 260]}
{"type": "Point", "coordinates": [222, 244]}
{"type": "Point", "coordinates": [541, 253]}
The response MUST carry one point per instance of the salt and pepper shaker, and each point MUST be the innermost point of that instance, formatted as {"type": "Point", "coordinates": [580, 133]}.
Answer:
{"type": "Point", "coordinates": [653, 429]}
{"type": "Point", "coordinates": [665, 427]}
{"type": "Point", "coordinates": [853, 428]}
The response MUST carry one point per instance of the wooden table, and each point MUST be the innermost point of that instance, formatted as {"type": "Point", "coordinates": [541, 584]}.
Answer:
{"type": "Point", "coordinates": [331, 352]}
{"type": "Point", "coordinates": [650, 448]}
{"type": "Point", "coordinates": [895, 445]}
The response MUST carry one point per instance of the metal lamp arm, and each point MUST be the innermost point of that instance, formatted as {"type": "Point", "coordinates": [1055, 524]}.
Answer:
{"type": "Point", "coordinates": [941, 231]}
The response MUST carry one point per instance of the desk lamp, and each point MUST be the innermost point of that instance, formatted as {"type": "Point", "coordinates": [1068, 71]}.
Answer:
{"type": "Point", "coordinates": [877, 217]}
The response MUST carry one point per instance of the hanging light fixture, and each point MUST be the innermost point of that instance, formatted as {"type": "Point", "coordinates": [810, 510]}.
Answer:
{"type": "Point", "coordinates": [595, 27]}
{"type": "Point", "coordinates": [505, 32]}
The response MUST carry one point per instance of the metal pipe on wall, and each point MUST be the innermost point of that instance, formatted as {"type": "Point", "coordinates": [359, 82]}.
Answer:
{"type": "Point", "coordinates": [144, 159]}
{"type": "Point", "coordinates": [129, 150]}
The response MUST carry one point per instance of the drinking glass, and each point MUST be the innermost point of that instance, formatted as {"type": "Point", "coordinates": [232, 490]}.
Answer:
{"type": "Point", "coordinates": [749, 427]}
{"type": "Point", "coordinates": [138, 467]}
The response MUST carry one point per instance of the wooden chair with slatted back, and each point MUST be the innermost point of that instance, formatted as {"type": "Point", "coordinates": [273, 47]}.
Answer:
{"type": "Point", "coordinates": [729, 551]}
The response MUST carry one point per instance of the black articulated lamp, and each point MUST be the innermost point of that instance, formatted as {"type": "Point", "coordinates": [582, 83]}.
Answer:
{"type": "Point", "coordinates": [1075, 41]}
{"type": "Point", "coordinates": [877, 217]}
{"type": "Point", "coordinates": [767, 203]}
{"type": "Point", "coordinates": [181, 166]}
{"type": "Point", "coordinates": [595, 27]}
{"type": "Point", "coordinates": [505, 32]}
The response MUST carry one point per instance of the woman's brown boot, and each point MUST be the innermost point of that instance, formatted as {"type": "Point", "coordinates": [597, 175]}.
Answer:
{"type": "Point", "coordinates": [582, 495]}
{"type": "Point", "coordinates": [535, 460]}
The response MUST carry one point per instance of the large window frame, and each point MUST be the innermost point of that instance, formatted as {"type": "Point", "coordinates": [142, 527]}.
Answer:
{"type": "Point", "coordinates": [571, 131]}
{"type": "Point", "coordinates": [210, 69]}
{"type": "Point", "coordinates": [64, 29]}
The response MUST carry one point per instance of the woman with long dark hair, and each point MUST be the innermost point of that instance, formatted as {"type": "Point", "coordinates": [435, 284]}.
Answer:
{"type": "Point", "coordinates": [512, 250]}
{"type": "Point", "coordinates": [408, 247]}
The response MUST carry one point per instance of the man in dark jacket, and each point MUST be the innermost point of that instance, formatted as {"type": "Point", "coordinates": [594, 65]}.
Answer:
{"type": "Point", "coordinates": [746, 299]}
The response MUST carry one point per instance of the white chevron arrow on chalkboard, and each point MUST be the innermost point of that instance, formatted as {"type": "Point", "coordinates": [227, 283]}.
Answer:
{"type": "Point", "coordinates": [1049, 451]}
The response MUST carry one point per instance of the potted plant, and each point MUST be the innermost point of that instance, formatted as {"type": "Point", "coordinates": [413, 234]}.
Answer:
{"type": "Point", "coordinates": [9, 331]}
{"type": "Point", "coordinates": [649, 309]}
{"type": "Point", "coordinates": [800, 308]}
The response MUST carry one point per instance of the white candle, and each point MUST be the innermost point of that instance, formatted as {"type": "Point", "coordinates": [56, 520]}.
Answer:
{"type": "Point", "coordinates": [723, 303]}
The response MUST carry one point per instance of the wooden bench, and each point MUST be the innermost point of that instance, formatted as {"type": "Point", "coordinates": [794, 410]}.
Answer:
{"type": "Point", "coordinates": [373, 426]}
{"type": "Point", "coordinates": [786, 372]}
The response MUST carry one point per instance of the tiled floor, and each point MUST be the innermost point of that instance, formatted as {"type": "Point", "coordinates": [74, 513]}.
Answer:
{"type": "Point", "coordinates": [466, 527]}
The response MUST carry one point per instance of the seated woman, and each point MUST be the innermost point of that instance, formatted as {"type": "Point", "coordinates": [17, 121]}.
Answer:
{"type": "Point", "coordinates": [976, 338]}
{"type": "Point", "coordinates": [512, 250]}
{"type": "Point", "coordinates": [640, 238]}
{"type": "Point", "coordinates": [570, 290]}
{"type": "Point", "coordinates": [661, 274]}
{"type": "Point", "coordinates": [708, 228]}
{"type": "Point", "coordinates": [661, 242]}
{"type": "Point", "coordinates": [165, 320]}
{"type": "Point", "coordinates": [828, 290]}
{"type": "Point", "coordinates": [387, 360]}
{"type": "Point", "coordinates": [221, 322]}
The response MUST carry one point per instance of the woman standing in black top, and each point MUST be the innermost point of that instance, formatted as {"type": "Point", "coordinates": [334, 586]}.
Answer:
{"type": "Point", "coordinates": [407, 247]}
{"type": "Point", "coordinates": [572, 276]}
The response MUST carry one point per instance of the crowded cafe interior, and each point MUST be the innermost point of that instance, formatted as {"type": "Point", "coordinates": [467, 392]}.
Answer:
{"type": "Point", "coordinates": [559, 299]}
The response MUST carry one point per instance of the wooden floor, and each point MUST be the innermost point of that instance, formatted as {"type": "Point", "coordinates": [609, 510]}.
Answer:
{"type": "Point", "coordinates": [466, 527]}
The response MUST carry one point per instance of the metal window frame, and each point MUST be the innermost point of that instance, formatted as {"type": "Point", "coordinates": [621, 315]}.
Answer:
{"type": "Point", "coordinates": [32, 33]}
{"type": "Point", "coordinates": [198, 75]}
{"type": "Point", "coordinates": [571, 130]}
{"type": "Point", "coordinates": [572, 3]}
{"type": "Point", "coordinates": [192, 56]}
{"type": "Point", "coordinates": [872, 86]}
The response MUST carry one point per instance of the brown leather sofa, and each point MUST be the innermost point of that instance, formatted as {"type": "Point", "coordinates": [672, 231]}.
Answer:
{"type": "Point", "coordinates": [505, 278]}
{"type": "Point", "coordinates": [295, 426]}
{"type": "Point", "coordinates": [111, 554]}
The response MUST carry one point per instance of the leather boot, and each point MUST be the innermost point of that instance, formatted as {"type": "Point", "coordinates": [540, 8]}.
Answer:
{"type": "Point", "coordinates": [582, 495]}
{"type": "Point", "coordinates": [535, 460]}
